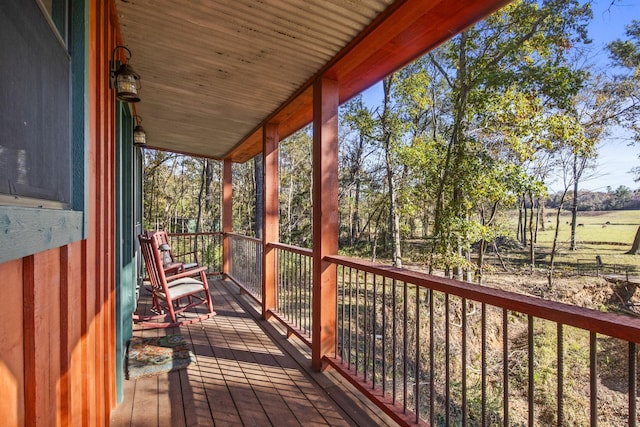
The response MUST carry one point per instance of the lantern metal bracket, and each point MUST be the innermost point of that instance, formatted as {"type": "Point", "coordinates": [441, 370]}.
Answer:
{"type": "Point", "coordinates": [113, 65]}
{"type": "Point", "coordinates": [124, 71]}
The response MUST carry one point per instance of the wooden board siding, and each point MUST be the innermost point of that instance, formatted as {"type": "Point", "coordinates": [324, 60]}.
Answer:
{"type": "Point", "coordinates": [57, 334]}
{"type": "Point", "coordinates": [11, 345]}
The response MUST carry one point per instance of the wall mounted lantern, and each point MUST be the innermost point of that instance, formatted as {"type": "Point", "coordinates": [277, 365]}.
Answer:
{"type": "Point", "coordinates": [139, 134]}
{"type": "Point", "coordinates": [125, 81]}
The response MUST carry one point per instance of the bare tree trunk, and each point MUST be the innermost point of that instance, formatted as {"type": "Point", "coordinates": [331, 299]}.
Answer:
{"type": "Point", "coordinates": [635, 247]}
{"type": "Point", "coordinates": [356, 210]}
{"type": "Point", "coordinates": [504, 265]}
{"type": "Point", "coordinates": [259, 177]}
{"type": "Point", "coordinates": [520, 230]}
{"type": "Point", "coordinates": [524, 219]}
{"type": "Point", "coordinates": [394, 217]}
{"type": "Point", "coordinates": [554, 247]}
{"type": "Point", "coordinates": [482, 249]}
{"type": "Point", "coordinates": [375, 236]}
{"type": "Point", "coordinates": [395, 227]}
{"type": "Point", "coordinates": [203, 180]}
{"type": "Point", "coordinates": [574, 204]}
{"type": "Point", "coordinates": [289, 207]}
{"type": "Point", "coordinates": [537, 222]}
{"type": "Point", "coordinates": [355, 176]}
{"type": "Point", "coordinates": [532, 250]}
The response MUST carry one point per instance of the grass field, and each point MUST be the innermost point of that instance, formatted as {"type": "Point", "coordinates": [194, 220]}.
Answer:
{"type": "Point", "coordinates": [608, 234]}
{"type": "Point", "coordinates": [594, 226]}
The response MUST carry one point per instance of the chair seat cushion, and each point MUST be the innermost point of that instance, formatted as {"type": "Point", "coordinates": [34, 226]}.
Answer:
{"type": "Point", "coordinates": [190, 265]}
{"type": "Point", "coordinates": [182, 287]}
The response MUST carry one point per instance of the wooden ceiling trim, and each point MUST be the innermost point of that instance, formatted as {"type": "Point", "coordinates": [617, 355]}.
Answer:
{"type": "Point", "coordinates": [405, 38]}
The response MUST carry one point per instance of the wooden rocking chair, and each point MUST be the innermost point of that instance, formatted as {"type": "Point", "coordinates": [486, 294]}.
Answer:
{"type": "Point", "coordinates": [170, 262]}
{"type": "Point", "coordinates": [174, 290]}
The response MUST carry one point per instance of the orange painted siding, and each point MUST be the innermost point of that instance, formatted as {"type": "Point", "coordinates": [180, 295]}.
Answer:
{"type": "Point", "coordinates": [11, 345]}
{"type": "Point", "coordinates": [57, 325]}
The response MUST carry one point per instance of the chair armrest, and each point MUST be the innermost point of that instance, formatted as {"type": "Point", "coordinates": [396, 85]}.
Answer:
{"type": "Point", "coordinates": [187, 273]}
{"type": "Point", "coordinates": [173, 267]}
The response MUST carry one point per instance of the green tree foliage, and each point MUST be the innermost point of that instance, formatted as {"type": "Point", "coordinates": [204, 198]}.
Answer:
{"type": "Point", "coordinates": [295, 189]}
{"type": "Point", "coordinates": [626, 55]}
{"type": "Point", "coordinates": [459, 125]}
{"type": "Point", "coordinates": [181, 193]}
{"type": "Point", "coordinates": [244, 198]}
{"type": "Point", "coordinates": [478, 126]}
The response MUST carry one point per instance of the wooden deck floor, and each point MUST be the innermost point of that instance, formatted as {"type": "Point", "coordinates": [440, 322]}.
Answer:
{"type": "Point", "coordinates": [247, 374]}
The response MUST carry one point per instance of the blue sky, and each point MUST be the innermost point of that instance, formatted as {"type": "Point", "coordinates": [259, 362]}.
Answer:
{"type": "Point", "coordinates": [616, 157]}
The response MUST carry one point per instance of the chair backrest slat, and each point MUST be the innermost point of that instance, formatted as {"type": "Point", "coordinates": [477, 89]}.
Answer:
{"type": "Point", "coordinates": [153, 261]}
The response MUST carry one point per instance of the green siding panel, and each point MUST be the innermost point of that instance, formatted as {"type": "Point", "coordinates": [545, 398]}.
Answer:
{"type": "Point", "coordinates": [26, 231]}
{"type": "Point", "coordinates": [126, 260]}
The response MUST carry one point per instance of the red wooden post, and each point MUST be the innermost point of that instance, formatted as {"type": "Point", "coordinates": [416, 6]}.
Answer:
{"type": "Point", "coordinates": [270, 231]}
{"type": "Point", "coordinates": [227, 213]}
{"type": "Point", "coordinates": [325, 217]}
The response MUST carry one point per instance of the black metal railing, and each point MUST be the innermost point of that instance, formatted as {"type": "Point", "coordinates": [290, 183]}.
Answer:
{"type": "Point", "coordinates": [443, 352]}
{"type": "Point", "coordinates": [452, 353]}
{"type": "Point", "coordinates": [245, 263]}
{"type": "Point", "coordinates": [201, 248]}
{"type": "Point", "coordinates": [294, 288]}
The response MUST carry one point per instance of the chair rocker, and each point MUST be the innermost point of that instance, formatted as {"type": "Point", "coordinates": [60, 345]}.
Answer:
{"type": "Point", "coordinates": [174, 291]}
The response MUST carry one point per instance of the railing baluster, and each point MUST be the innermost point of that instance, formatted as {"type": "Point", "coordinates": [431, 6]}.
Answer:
{"type": "Point", "coordinates": [593, 378]}
{"type": "Point", "coordinates": [309, 293]}
{"type": "Point", "coordinates": [357, 320]}
{"type": "Point", "coordinates": [384, 334]}
{"type": "Point", "coordinates": [374, 336]}
{"type": "Point", "coordinates": [432, 373]}
{"type": "Point", "coordinates": [405, 321]}
{"type": "Point", "coordinates": [342, 319]}
{"type": "Point", "coordinates": [560, 378]}
{"type": "Point", "coordinates": [505, 367]}
{"type": "Point", "coordinates": [530, 361]}
{"type": "Point", "coordinates": [417, 357]}
{"type": "Point", "coordinates": [288, 286]}
{"type": "Point", "coordinates": [365, 328]}
{"type": "Point", "coordinates": [447, 368]}
{"type": "Point", "coordinates": [350, 317]}
{"type": "Point", "coordinates": [301, 291]}
{"type": "Point", "coordinates": [394, 342]}
{"type": "Point", "coordinates": [633, 384]}
{"type": "Point", "coordinates": [483, 363]}
{"type": "Point", "coordinates": [464, 362]}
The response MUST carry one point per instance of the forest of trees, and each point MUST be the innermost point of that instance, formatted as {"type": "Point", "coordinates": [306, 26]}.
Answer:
{"type": "Point", "coordinates": [475, 130]}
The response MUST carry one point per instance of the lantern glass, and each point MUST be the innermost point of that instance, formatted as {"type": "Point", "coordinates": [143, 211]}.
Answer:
{"type": "Point", "coordinates": [139, 136]}
{"type": "Point", "coordinates": [127, 84]}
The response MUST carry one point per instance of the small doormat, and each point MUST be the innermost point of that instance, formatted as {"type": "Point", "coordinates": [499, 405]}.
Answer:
{"type": "Point", "coordinates": [153, 356]}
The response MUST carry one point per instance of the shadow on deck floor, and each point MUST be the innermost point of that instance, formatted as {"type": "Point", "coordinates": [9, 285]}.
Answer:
{"type": "Point", "coordinates": [247, 374]}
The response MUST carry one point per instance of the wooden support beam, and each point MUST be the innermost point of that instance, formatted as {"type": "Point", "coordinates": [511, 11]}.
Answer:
{"type": "Point", "coordinates": [270, 223]}
{"type": "Point", "coordinates": [325, 217]}
{"type": "Point", "coordinates": [227, 213]}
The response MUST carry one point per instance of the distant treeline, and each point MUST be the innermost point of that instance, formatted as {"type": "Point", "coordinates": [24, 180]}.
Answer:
{"type": "Point", "coordinates": [620, 198]}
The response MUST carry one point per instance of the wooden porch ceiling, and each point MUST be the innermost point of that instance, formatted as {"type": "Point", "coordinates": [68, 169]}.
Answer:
{"type": "Point", "coordinates": [214, 72]}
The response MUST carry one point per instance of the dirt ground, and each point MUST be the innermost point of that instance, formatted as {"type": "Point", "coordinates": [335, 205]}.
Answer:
{"type": "Point", "coordinates": [595, 293]}
{"type": "Point", "coordinates": [592, 292]}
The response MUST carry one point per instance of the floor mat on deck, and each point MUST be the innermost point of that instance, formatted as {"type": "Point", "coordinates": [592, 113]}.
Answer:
{"type": "Point", "coordinates": [155, 355]}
